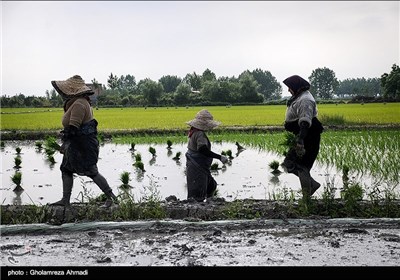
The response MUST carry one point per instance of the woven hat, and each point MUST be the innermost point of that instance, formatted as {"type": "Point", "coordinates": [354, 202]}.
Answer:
{"type": "Point", "coordinates": [74, 86]}
{"type": "Point", "coordinates": [203, 121]}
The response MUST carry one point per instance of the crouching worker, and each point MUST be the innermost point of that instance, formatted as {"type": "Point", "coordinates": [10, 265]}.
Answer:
{"type": "Point", "coordinates": [199, 157]}
{"type": "Point", "coordinates": [80, 146]}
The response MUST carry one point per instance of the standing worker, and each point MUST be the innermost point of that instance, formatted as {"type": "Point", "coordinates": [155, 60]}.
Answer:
{"type": "Point", "coordinates": [199, 157]}
{"type": "Point", "coordinates": [301, 119]}
{"type": "Point", "coordinates": [80, 146]}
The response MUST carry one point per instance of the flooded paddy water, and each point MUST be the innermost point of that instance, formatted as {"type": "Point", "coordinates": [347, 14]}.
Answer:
{"type": "Point", "coordinates": [247, 175]}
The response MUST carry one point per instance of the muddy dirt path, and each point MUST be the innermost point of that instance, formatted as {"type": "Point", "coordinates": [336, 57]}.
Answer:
{"type": "Point", "coordinates": [272, 242]}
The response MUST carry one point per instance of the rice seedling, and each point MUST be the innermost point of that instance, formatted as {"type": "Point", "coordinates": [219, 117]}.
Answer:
{"type": "Point", "coordinates": [376, 153]}
{"type": "Point", "coordinates": [139, 165]}
{"type": "Point", "coordinates": [132, 146]}
{"type": "Point", "coordinates": [227, 153]}
{"type": "Point", "coordinates": [17, 162]}
{"type": "Point", "coordinates": [125, 179]}
{"type": "Point", "coordinates": [17, 180]}
{"type": "Point", "coordinates": [138, 157]}
{"type": "Point", "coordinates": [18, 150]}
{"type": "Point", "coordinates": [177, 156]}
{"type": "Point", "coordinates": [274, 165]}
{"type": "Point", "coordinates": [51, 160]}
{"type": "Point", "coordinates": [214, 166]}
{"type": "Point", "coordinates": [152, 151]}
{"type": "Point", "coordinates": [169, 144]}
{"type": "Point", "coordinates": [39, 145]}
{"type": "Point", "coordinates": [2, 144]}
{"type": "Point", "coordinates": [51, 144]}
{"type": "Point", "coordinates": [332, 119]}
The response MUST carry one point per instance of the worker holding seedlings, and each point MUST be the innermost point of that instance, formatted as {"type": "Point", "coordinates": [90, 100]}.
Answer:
{"type": "Point", "coordinates": [199, 157]}
{"type": "Point", "coordinates": [80, 146]}
{"type": "Point", "coordinates": [301, 119]}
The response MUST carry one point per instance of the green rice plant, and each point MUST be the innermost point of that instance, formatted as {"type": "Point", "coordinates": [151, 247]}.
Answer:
{"type": "Point", "coordinates": [214, 166]}
{"type": "Point", "coordinates": [101, 138]}
{"type": "Point", "coordinates": [372, 152]}
{"type": "Point", "coordinates": [290, 140]}
{"type": "Point", "coordinates": [17, 162]}
{"type": "Point", "coordinates": [227, 153]}
{"type": "Point", "coordinates": [125, 179]}
{"type": "Point", "coordinates": [169, 144]}
{"type": "Point", "coordinates": [257, 116]}
{"type": "Point", "coordinates": [49, 152]}
{"type": "Point", "coordinates": [2, 144]}
{"type": "Point", "coordinates": [138, 157]}
{"type": "Point", "coordinates": [177, 156]}
{"type": "Point", "coordinates": [39, 145]}
{"type": "Point", "coordinates": [139, 165]}
{"type": "Point", "coordinates": [17, 180]}
{"type": "Point", "coordinates": [332, 119]}
{"type": "Point", "coordinates": [132, 146]}
{"type": "Point", "coordinates": [152, 151]}
{"type": "Point", "coordinates": [18, 150]}
{"type": "Point", "coordinates": [274, 165]}
{"type": "Point", "coordinates": [51, 143]}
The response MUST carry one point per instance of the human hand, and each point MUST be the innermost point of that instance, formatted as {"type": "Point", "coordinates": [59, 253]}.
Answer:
{"type": "Point", "coordinates": [224, 159]}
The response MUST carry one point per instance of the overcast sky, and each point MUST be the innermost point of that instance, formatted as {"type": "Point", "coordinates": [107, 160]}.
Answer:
{"type": "Point", "coordinates": [54, 40]}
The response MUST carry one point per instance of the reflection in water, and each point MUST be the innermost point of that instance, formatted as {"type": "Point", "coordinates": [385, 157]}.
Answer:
{"type": "Point", "coordinates": [139, 175]}
{"type": "Point", "coordinates": [153, 160]}
{"type": "Point", "coordinates": [275, 180]}
{"type": "Point", "coordinates": [17, 199]}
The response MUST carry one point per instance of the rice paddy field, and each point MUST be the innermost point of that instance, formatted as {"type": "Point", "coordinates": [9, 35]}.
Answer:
{"type": "Point", "coordinates": [175, 117]}
{"type": "Point", "coordinates": [367, 145]}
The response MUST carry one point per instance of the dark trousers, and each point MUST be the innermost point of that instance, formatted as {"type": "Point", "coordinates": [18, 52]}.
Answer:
{"type": "Point", "coordinates": [311, 145]}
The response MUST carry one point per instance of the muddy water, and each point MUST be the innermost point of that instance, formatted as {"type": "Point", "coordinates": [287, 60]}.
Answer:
{"type": "Point", "coordinates": [248, 175]}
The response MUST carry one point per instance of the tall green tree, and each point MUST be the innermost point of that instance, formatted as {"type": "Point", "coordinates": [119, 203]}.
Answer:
{"type": "Point", "coordinates": [359, 86]}
{"type": "Point", "coordinates": [170, 83]}
{"type": "Point", "coordinates": [127, 83]}
{"type": "Point", "coordinates": [151, 91]}
{"type": "Point", "coordinates": [112, 81]}
{"type": "Point", "coordinates": [211, 91]}
{"type": "Point", "coordinates": [391, 82]}
{"type": "Point", "coordinates": [208, 76]}
{"type": "Point", "coordinates": [269, 86]}
{"type": "Point", "coordinates": [194, 80]}
{"type": "Point", "coordinates": [323, 82]}
{"type": "Point", "coordinates": [248, 89]}
{"type": "Point", "coordinates": [182, 94]}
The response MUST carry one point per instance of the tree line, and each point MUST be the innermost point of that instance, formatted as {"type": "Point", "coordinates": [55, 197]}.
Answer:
{"type": "Point", "coordinates": [250, 87]}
